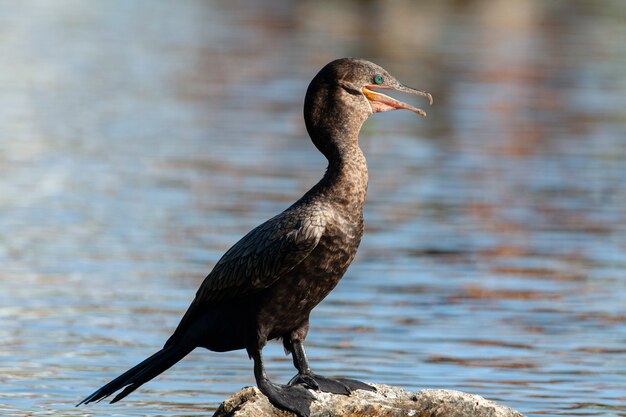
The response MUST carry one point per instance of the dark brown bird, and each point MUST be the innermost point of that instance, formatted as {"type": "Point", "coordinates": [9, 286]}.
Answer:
{"type": "Point", "coordinates": [266, 285]}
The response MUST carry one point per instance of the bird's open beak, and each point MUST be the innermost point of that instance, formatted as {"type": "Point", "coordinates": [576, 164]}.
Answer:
{"type": "Point", "coordinates": [381, 102]}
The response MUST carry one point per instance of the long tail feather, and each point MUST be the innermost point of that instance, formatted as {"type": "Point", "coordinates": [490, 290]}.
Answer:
{"type": "Point", "coordinates": [140, 374]}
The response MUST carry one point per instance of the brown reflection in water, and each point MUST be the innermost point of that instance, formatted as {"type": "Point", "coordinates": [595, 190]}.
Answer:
{"type": "Point", "coordinates": [476, 292]}
{"type": "Point", "coordinates": [503, 363]}
{"type": "Point", "coordinates": [501, 343]}
{"type": "Point", "coordinates": [539, 273]}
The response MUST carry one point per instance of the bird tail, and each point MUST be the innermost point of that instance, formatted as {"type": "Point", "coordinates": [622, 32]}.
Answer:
{"type": "Point", "coordinates": [140, 374]}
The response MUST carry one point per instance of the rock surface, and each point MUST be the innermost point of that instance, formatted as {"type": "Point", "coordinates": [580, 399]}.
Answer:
{"type": "Point", "coordinates": [387, 401]}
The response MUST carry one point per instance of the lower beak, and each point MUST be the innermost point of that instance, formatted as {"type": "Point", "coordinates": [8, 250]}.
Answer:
{"type": "Point", "coordinates": [381, 102]}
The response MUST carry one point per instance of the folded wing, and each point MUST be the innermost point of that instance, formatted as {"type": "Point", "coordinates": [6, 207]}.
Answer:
{"type": "Point", "coordinates": [257, 261]}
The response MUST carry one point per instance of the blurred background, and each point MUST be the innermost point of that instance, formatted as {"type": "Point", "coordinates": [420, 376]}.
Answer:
{"type": "Point", "coordinates": [141, 139]}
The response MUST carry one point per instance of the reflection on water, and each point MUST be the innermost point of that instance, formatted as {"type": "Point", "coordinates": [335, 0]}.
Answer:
{"type": "Point", "coordinates": [142, 139]}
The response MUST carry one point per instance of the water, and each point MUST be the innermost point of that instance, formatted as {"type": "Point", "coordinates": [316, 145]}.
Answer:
{"type": "Point", "coordinates": [141, 139]}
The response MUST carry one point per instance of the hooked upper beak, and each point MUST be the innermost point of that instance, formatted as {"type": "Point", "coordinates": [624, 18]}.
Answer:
{"type": "Point", "coordinates": [381, 102]}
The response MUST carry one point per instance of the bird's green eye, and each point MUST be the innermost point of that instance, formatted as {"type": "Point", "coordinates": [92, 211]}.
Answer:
{"type": "Point", "coordinates": [378, 79]}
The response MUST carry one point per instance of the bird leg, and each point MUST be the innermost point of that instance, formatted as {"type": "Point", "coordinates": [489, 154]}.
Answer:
{"type": "Point", "coordinates": [294, 398]}
{"type": "Point", "coordinates": [306, 377]}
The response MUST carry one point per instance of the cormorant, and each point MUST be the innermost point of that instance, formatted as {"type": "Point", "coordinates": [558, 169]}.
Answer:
{"type": "Point", "coordinates": [266, 285]}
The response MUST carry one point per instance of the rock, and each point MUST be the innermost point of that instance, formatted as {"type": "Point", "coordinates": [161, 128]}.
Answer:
{"type": "Point", "coordinates": [387, 401]}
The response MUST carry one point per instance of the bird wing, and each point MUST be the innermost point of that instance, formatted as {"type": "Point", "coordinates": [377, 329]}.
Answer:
{"type": "Point", "coordinates": [258, 260]}
{"type": "Point", "coordinates": [261, 257]}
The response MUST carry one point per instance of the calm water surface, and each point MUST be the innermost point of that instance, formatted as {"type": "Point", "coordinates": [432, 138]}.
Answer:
{"type": "Point", "coordinates": [141, 139]}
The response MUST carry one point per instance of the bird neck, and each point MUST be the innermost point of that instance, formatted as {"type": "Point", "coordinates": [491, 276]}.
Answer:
{"type": "Point", "coordinates": [344, 184]}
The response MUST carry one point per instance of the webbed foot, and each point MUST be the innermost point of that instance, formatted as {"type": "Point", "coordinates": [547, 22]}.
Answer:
{"type": "Point", "coordinates": [294, 398]}
{"type": "Point", "coordinates": [342, 386]}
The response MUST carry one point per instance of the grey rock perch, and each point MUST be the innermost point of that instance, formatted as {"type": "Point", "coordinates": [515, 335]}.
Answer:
{"type": "Point", "coordinates": [387, 401]}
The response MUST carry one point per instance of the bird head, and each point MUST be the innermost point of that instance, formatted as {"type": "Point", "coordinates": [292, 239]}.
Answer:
{"type": "Point", "coordinates": [345, 93]}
